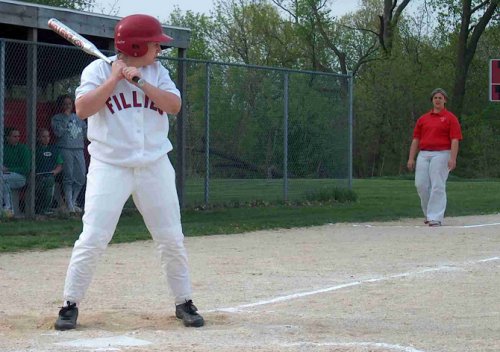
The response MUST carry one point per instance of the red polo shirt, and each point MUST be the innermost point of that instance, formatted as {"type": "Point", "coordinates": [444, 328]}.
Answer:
{"type": "Point", "coordinates": [436, 130]}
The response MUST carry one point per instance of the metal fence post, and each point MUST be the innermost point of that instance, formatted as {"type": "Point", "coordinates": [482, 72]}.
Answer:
{"type": "Point", "coordinates": [31, 110]}
{"type": "Point", "coordinates": [285, 138]}
{"type": "Point", "coordinates": [207, 133]}
{"type": "Point", "coordinates": [2, 112]}
{"type": "Point", "coordinates": [181, 130]}
{"type": "Point", "coordinates": [350, 141]}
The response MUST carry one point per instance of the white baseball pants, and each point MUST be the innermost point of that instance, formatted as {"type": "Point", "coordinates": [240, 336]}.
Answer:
{"type": "Point", "coordinates": [431, 173]}
{"type": "Point", "coordinates": [155, 196]}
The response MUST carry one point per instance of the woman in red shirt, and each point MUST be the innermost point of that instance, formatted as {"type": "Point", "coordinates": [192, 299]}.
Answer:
{"type": "Point", "coordinates": [435, 138]}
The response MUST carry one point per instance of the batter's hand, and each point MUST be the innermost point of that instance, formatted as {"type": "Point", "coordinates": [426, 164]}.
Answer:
{"type": "Point", "coordinates": [130, 72]}
{"type": "Point", "coordinates": [116, 70]}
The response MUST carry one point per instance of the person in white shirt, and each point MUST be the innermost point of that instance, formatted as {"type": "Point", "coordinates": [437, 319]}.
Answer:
{"type": "Point", "coordinates": [126, 106]}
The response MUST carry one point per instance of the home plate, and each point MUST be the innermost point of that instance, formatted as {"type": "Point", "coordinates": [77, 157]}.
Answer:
{"type": "Point", "coordinates": [105, 342]}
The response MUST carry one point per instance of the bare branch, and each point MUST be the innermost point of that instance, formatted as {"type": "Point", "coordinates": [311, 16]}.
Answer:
{"type": "Point", "coordinates": [481, 5]}
{"type": "Point", "coordinates": [278, 3]}
{"type": "Point", "coordinates": [359, 29]}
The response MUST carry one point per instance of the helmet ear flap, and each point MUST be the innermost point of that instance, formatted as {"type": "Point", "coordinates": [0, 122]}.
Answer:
{"type": "Point", "coordinates": [139, 49]}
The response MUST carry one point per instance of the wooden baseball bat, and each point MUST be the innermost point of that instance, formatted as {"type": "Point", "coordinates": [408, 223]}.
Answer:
{"type": "Point", "coordinates": [79, 41]}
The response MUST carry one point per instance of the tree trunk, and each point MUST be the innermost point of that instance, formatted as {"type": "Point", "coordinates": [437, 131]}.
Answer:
{"type": "Point", "coordinates": [389, 21]}
{"type": "Point", "coordinates": [461, 67]}
{"type": "Point", "coordinates": [466, 48]}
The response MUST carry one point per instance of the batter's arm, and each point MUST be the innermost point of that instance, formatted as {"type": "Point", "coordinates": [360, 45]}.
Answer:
{"type": "Point", "coordinates": [166, 101]}
{"type": "Point", "coordinates": [91, 102]}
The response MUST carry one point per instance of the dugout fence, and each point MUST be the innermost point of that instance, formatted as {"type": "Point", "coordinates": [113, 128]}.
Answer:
{"type": "Point", "coordinates": [247, 134]}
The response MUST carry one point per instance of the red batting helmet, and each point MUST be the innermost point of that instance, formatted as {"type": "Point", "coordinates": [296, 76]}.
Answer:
{"type": "Point", "coordinates": [133, 33]}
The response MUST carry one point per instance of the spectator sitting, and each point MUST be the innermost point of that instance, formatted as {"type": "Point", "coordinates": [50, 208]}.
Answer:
{"type": "Point", "coordinates": [49, 163]}
{"type": "Point", "coordinates": [16, 167]}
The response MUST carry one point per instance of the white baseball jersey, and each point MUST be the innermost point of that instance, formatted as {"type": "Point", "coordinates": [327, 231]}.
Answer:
{"type": "Point", "coordinates": [129, 130]}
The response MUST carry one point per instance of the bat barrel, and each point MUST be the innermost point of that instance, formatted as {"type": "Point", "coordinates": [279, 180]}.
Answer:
{"type": "Point", "coordinates": [76, 39]}
{"type": "Point", "coordinates": [79, 41]}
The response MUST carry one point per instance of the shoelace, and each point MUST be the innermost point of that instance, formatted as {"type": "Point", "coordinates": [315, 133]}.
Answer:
{"type": "Point", "coordinates": [69, 307]}
{"type": "Point", "coordinates": [190, 307]}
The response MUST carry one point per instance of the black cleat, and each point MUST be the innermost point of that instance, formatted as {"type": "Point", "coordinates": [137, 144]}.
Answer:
{"type": "Point", "coordinates": [67, 317]}
{"type": "Point", "coordinates": [434, 223]}
{"type": "Point", "coordinates": [187, 312]}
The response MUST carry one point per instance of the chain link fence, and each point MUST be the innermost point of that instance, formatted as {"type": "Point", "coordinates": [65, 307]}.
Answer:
{"type": "Point", "coordinates": [271, 134]}
{"type": "Point", "coordinates": [252, 134]}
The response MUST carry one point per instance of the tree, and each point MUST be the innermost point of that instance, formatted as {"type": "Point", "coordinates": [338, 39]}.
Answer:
{"type": "Point", "coordinates": [388, 23]}
{"type": "Point", "coordinates": [474, 18]}
{"type": "Point", "coordinates": [470, 32]}
{"type": "Point", "coordinates": [252, 32]}
{"type": "Point", "coordinates": [202, 26]}
{"type": "Point", "coordinates": [83, 5]}
{"type": "Point", "coordinates": [349, 37]}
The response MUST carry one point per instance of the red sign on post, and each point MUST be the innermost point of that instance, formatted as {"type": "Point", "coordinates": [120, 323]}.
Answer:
{"type": "Point", "coordinates": [495, 80]}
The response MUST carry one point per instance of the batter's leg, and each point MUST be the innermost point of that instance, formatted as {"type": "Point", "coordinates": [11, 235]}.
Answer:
{"type": "Point", "coordinates": [156, 198]}
{"type": "Point", "coordinates": [108, 188]}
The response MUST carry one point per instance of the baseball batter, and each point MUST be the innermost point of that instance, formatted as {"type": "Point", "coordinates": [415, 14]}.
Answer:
{"type": "Point", "coordinates": [127, 130]}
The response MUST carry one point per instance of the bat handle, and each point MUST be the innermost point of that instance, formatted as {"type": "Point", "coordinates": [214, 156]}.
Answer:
{"type": "Point", "coordinates": [136, 79]}
{"type": "Point", "coordinates": [139, 81]}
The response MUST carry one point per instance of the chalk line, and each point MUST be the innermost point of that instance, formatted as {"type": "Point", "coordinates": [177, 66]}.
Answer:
{"type": "Point", "coordinates": [385, 346]}
{"type": "Point", "coordinates": [426, 226]}
{"type": "Point", "coordinates": [476, 225]}
{"type": "Point", "coordinates": [242, 307]}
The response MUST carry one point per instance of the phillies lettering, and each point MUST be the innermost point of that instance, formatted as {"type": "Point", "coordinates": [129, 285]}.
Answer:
{"type": "Point", "coordinates": [122, 101]}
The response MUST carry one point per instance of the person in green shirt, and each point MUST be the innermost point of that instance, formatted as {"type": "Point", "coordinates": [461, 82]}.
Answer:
{"type": "Point", "coordinates": [49, 163]}
{"type": "Point", "coordinates": [16, 167]}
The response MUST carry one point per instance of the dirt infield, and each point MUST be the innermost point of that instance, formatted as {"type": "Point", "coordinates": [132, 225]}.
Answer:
{"type": "Point", "coordinates": [398, 286]}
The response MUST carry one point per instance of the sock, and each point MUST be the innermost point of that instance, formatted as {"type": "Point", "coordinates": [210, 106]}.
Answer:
{"type": "Point", "coordinates": [185, 300]}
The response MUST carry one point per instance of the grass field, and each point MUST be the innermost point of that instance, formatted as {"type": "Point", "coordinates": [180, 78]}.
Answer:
{"type": "Point", "coordinates": [378, 199]}
{"type": "Point", "coordinates": [233, 191]}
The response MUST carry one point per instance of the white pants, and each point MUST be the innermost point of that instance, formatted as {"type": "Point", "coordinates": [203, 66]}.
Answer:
{"type": "Point", "coordinates": [154, 194]}
{"type": "Point", "coordinates": [431, 174]}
